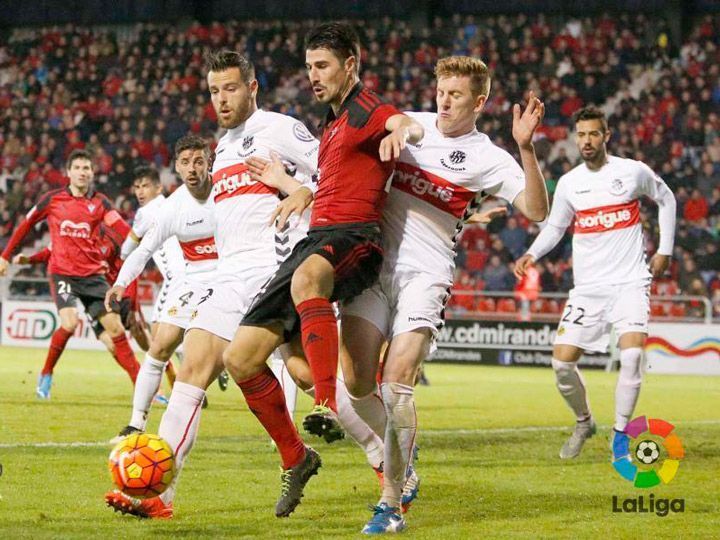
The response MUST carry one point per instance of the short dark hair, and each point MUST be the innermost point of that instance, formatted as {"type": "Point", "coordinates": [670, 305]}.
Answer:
{"type": "Point", "coordinates": [591, 112]}
{"type": "Point", "coordinates": [339, 38]}
{"type": "Point", "coordinates": [79, 154]}
{"type": "Point", "coordinates": [145, 171]}
{"type": "Point", "coordinates": [191, 142]}
{"type": "Point", "coordinates": [225, 59]}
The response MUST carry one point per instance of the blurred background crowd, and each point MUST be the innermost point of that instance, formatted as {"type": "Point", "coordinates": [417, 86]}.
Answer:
{"type": "Point", "coordinates": [127, 93]}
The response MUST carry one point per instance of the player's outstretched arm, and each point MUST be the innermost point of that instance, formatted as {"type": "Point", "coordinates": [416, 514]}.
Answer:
{"type": "Point", "coordinates": [522, 264]}
{"type": "Point", "coordinates": [296, 203]}
{"type": "Point", "coordinates": [403, 130]}
{"type": "Point", "coordinates": [533, 201]}
{"type": "Point", "coordinates": [665, 199]}
{"type": "Point", "coordinates": [488, 216]}
{"type": "Point", "coordinates": [114, 294]}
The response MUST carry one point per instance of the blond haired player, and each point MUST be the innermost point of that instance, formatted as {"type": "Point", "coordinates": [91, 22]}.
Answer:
{"type": "Point", "coordinates": [437, 184]}
{"type": "Point", "coordinates": [600, 198]}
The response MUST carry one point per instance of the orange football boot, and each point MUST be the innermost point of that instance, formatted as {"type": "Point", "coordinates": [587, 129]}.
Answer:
{"type": "Point", "coordinates": [152, 508]}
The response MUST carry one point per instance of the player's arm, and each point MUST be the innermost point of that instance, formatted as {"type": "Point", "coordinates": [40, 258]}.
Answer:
{"type": "Point", "coordinates": [136, 261]}
{"type": "Point", "coordinates": [41, 257]}
{"type": "Point", "coordinates": [561, 215]}
{"type": "Point", "coordinates": [403, 130]}
{"type": "Point", "coordinates": [658, 191]}
{"type": "Point", "coordinates": [533, 200]}
{"type": "Point", "coordinates": [129, 244]}
{"type": "Point", "coordinates": [273, 174]}
{"type": "Point", "coordinates": [36, 214]}
{"type": "Point", "coordinates": [487, 216]}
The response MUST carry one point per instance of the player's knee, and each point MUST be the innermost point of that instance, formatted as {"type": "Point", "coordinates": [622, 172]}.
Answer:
{"type": "Point", "coordinates": [161, 351]}
{"type": "Point", "coordinates": [70, 324]}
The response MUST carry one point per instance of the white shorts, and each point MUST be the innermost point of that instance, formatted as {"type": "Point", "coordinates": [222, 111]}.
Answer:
{"type": "Point", "coordinates": [401, 301]}
{"type": "Point", "coordinates": [182, 301]}
{"type": "Point", "coordinates": [161, 302]}
{"type": "Point", "coordinates": [591, 312]}
{"type": "Point", "coordinates": [229, 299]}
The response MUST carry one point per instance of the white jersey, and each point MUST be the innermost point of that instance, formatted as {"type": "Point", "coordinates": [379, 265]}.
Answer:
{"type": "Point", "coordinates": [169, 258]}
{"type": "Point", "coordinates": [434, 184]}
{"type": "Point", "coordinates": [604, 209]}
{"type": "Point", "coordinates": [243, 206]}
{"type": "Point", "coordinates": [192, 223]}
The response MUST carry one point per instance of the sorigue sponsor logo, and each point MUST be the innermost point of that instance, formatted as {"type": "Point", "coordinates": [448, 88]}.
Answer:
{"type": "Point", "coordinates": [607, 220]}
{"type": "Point", "coordinates": [75, 230]}
{"type": "Point", "coordinates": [421, 185]}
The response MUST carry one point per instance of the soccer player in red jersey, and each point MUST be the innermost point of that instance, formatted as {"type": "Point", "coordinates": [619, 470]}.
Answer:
{"type": "Point", "coordinates": [341, 255]}
{"type": "Point", "coordinates": [76, 266]}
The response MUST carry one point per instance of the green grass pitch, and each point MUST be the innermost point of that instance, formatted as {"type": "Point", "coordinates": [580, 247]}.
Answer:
{"type": "Point", "coordinates": [488, 460]}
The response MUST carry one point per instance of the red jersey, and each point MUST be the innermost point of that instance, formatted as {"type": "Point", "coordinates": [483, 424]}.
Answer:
{"type": "Point", "coordinates": [111, 239]}
{"type": "Point", "coordinates": [352, 181]}
{"type": "Point", "coordinates": [74, 224]}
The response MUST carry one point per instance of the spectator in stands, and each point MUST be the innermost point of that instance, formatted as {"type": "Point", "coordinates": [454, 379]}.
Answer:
{"type": "Point", "coordinates": [497, 276]}
{"type": "Point", "coordinates": [514, 238]}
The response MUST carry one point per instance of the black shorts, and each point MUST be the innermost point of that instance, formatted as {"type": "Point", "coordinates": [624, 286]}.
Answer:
{"type": "Point", "coordinates": [126, 315]}
{"type": "Point", "coordinates": [90, 290]}
{"type": "Point", "coordinates": [355, 253]}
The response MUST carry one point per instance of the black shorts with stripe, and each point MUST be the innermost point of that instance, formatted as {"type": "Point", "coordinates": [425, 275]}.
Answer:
{"type": "Point", "coordinates": [126, 316]}
{"type": "Point", "coordinates": [90, 290]}
{"type": "Point", "coordinates": [355, 252]}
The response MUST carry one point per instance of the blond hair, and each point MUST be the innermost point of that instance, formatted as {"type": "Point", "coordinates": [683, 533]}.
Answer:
{"type": "Point", "coordinates": [466, 66]}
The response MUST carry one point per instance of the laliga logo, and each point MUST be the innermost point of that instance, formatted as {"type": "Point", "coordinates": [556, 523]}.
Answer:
{"type": "Point", "coordinates": [422, 186]}
{"type": "Point", "coordinates": [647, 453]}
{"type": "Point", "coordinates": [230, 184]}
{"type": "Point", "coordinates": [75, 230]}
{"type": "Point", "coordinates": [30, 324]}
{"type": "Point", "coordinates": [606, 220]}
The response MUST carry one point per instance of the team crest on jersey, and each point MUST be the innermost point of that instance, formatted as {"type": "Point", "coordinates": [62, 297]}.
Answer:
{"type": "Point", "coordinates": [617, 187]}
{"type": "Point", "coordinates": [301, 133]}
{"type": "Point", "coordinates": [172, 311]}
{"type": "Point", "coordinates": [561, 331]}
{"type": "Point", "coordinates": [247, 142]}
{"type": "Point", "coordinates": [91, 207]}
{"type": "Point", "coordinates": [456, 157]}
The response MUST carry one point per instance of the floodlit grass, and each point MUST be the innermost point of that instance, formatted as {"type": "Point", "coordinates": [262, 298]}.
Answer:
{"type": "Point", "coordinates": [485, 472]}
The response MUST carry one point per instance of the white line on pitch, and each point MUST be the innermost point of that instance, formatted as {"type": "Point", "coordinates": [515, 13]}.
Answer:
{"type": "Point", "coordinates": [423, 433]}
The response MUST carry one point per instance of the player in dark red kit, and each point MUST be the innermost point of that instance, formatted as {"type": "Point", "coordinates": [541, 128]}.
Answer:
{"type": "Point", "coordinates": [339, 258]}
{"type": "Point", "coordinates": [111, 239]}
{"type": "Point", "coordinates": [76, 267]}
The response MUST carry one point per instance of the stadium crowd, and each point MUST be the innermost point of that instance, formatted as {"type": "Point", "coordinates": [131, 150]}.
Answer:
{"type": "Point", "coordinates": [127, 94]}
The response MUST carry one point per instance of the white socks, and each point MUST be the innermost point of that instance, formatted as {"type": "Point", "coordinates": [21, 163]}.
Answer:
{"type": "Point", "coordinates": [277, 365]}
{"type": "Point", "coordinates": [179, 426]}
{"type": "Point", "coordinates": [399, 439]}
{"type": "Point", "coordinates": [146, 386]}
{"type": "Point", "coordinates": [572, 387]}
{"type": "Point", "coordinates": [357, 428]}
{"type": "Point", "coordinates": [372, 411]}
{"type": "Point", "coordinates": [628, 386]}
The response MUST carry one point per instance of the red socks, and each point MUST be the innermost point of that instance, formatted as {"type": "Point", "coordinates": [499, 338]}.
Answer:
{"type": "Point", "coordinates": [57, 345]}
{"type": "Point", "coordinates": [320, 342]}
{"type": "Point", "coordinates": [266, 400]}
{"type": "Point", "coordinates": [125, 356]}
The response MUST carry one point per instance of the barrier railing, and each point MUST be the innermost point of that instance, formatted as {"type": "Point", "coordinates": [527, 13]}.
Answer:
{"type": "Point", "coordinates": [548, 307]}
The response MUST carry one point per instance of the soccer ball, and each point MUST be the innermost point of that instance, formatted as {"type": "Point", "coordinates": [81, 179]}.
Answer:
{"type": "Point", "coordinates": [647, 452]}
{"type": "Point", "coordinates": [142, 465]}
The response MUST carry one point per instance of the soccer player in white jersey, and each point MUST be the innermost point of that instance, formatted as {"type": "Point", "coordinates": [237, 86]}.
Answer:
{"type": "Point", "coordinates": [169, 258]}
{"type": "Point", "coordinates": [599, 198]}
{"type": "Point", "coordinates": [249, 250]}
{"type": "Point", "coordinates": [436, 183]}
{"type": "Point", "coordinates": [187, 216]}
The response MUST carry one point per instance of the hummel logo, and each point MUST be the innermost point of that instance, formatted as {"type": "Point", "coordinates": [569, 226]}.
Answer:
{"type": "Point", "coordinates": [582, 191]}
{"type": "Point", "coordinates": [312, 338]}
{"type": "Point", "coordinates": [196, 222]}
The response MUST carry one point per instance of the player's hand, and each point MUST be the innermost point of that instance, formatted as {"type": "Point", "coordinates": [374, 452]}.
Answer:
{"type": "Point", "coordinates": [659, 264]}
{"type": "Point", "coordinates": [522, 264]}
{"type": "Point", "coordinates": [3, 266]}
{"type": "Point", "coordinates": [296, 203]}
{"type": "Point", "coordinates": [115, 293]}
{"type": "Point", "coordinates": [525, 123]}
{"type": "Point", "coordinates": [21, 259]}
{"type": "Point", "coordinates": [487, 217]}
{"type": "Point", "coordinates": [271, 173]}
{"type": "Point", "coordinates": [393, 144]}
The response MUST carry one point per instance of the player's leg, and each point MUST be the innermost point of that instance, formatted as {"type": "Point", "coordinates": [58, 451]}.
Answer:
{"type": "Point", "coordinates": [167, 339]}
{"type": "Point", "coordinates": [280, 370]}
{"type": "Point", "coordinates": [135, 323]}
{"type": "Point", "coordinates": [62, 291]}
{"type": "Point", "coordinates": [246, 362]}
{"type": "Point", "coordinates": [124, 354]}
{"type": "Point", "coordinates": [627, 391]}
{"type": "Point", "coordinates": [311, 289]}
